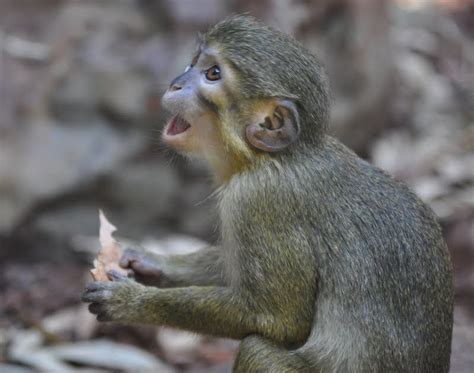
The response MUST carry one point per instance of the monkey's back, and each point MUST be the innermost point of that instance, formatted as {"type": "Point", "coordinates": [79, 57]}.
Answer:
{"type": "Point", "coordinates": [385, 278]}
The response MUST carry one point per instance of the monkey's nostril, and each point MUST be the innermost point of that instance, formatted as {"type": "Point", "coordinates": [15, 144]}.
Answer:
{"type": "Point", "coordinates": [175, 87]}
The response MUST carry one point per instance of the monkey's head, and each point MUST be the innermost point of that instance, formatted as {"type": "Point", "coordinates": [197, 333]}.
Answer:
{"type": "Point", "coordinates": [250, 93]}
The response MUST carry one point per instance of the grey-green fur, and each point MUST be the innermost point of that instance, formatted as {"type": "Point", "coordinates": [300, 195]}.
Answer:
{"type": "Point", "coordinates": [258, 52]}
{"type": "Point", "coordinates": [325, 263]}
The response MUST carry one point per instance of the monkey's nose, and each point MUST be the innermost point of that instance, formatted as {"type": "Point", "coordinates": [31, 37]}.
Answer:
{"type": "Point", "coordinates": [175, 87]}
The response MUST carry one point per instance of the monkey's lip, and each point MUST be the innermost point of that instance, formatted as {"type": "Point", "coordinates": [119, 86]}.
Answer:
{"type": "Point", "coordinates": [177, 125]}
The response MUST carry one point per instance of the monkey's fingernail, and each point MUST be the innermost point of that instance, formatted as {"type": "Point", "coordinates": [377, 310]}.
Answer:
{"type": "Point", "coordinates": [95, 296]}
{"type": "Point", "coordinates": [93, 286]}
{"type": "Point", "coordinates": [146, 269]}
{"type": "Point", "coordinates": [125, 261]}
{"type": "Point", "coordinates": [114, 275]}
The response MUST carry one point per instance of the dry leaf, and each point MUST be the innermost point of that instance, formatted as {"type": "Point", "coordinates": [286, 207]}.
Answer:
{"type": "Point", "coordinates": [110, 252]}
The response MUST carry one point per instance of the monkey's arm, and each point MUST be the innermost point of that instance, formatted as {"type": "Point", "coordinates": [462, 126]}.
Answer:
{"type": "Point", "coordinates": [201, 268]}
{"type": "Point", "coordinates": [218, 311]}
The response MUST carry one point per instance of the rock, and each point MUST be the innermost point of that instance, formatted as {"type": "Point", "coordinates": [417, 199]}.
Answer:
{"type": "Point", "coordinates": [46, 159]}
{"type": "Point", "coordinates": [94, 67]}
{"type": "Point", "coordinates": [108, 354]}
{"type": "Point", "coordinates": [71, 217]}
{"type": "Point", "coordinates": [182, 347]}
{"type": "Point", "coordinates": [358, 32]}
{"type": "Point", "coordinates": [123, 94]}
{"type": "Point", "coordinates": [142, 194]}
{"type": "Point", "coordinates": [204, 12]}
{"type": "Point", "coordinates": [10, 368]}
{"type": "Point", "coordinates": [147, 190]}
{"type": "Point", "coordinates": [462, 359]}
{"type": "Point", "coordinates": [100, 22]}
{"type": "Point", "coordinates": [179, 347]}
{"type": "Point", "coordinates": [76, 320]}
{"type": "Point", "coordinates": [75, 95]}
{"type": "Point", "coordinates": [25, 349]}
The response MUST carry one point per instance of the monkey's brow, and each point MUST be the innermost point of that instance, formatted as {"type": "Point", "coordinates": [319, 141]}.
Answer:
{"type": "Point", "coordinates": [206, 55]}
{"type": "Point", "coordinates": [200, 47]}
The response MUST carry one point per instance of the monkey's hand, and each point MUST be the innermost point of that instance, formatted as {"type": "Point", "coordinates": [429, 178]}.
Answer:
{"type": "Point", "coordinates": [199, 268]}
{"type": "Point", "coordinates": [147, 268]}
{"type": "Point", "coordinates": [115, 300]}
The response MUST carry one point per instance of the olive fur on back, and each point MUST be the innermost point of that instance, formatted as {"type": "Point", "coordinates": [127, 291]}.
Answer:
{"type": "Point", "coordinates": [380, 269]}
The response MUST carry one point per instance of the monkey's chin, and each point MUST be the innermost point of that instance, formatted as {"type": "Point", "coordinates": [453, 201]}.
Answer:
{"type": "Point", "coordinates": [176, 130]}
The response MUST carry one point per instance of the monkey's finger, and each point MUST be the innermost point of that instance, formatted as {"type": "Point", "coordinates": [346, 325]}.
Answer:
{"type": "Point", "coordinates": [98, 285]}
{"type": "Point", "coordinates": [115, 275]}
{"type": "Point", "coordinates": [130, 273]}
{"type": "Point", "coordinates": [146, 269]}
{"type": "Point", "coordinates": [128, 257]}
{"type": "Point", "coordinates": [103, 317]}
{"type": "Point", "coordinates": [96, 296]}
{"type": "Point", "coordinates": [95, 308]}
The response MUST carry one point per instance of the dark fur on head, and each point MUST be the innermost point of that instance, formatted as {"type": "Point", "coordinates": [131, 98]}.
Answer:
{"type": "Point", "coordinates": [257, 51]}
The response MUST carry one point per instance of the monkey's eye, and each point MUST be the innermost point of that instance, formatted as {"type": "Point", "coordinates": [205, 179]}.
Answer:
{"type": "Point", "coordinates": [213, 73]}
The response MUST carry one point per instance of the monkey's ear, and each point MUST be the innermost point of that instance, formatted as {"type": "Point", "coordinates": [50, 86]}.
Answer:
{"type": "Point", "coordinates": [279, 127]}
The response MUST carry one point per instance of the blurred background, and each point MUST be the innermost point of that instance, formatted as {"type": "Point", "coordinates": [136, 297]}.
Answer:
{"type": "Point", "coordinates": [80, 122]}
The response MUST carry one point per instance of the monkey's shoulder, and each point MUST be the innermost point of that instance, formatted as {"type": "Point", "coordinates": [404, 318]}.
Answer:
{"type": "Point", "coordinates": [347, 182]}
{"type": "Point", "coordinates": [326, 182]}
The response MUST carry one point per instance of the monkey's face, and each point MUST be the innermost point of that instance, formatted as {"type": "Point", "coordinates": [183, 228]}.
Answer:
{"type": "Point", "coordinates": [195, 99]}
{"type": "Point", "coordinates": [212, 116]}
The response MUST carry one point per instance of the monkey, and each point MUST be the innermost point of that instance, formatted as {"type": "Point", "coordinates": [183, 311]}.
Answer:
{"type": "Point", "coordinates": [324, 263]}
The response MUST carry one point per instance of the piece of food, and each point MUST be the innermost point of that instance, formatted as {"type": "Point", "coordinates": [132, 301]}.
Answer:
{"type": "Point", "coordinates": [110, 251]}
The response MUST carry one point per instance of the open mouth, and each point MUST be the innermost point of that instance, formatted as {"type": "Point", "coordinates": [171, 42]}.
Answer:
{"type": "Point", "coordinates": [177, 125]}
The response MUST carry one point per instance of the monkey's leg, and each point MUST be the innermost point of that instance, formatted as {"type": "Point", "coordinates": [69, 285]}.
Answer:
{"type": "Point", "coordinates": [201, 268]}
{"type": "Point", "coordinates": [257, 355]}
